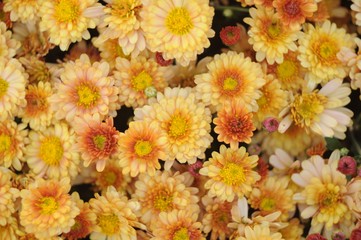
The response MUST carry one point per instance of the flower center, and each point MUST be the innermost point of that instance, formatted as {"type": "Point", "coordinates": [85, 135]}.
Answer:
{"type": "Point", "coordinates": [48, 205]}
{"type": "Point", "coordinates": [291, 8]}
{"type": "Point", "coordinates": [143, 148]}
{"type": "Point", "coordinates": [268, 204]}
{"type": "Point", "coordinates": [4, 85]}
{"type": "Point", "coordinates": [99, 141]}
{"type": "Point", "coordinates": [230, 84]}
{"type": "Point", "coordinates": [125, 8]}
{"type": "Point", "coordinates": [66, 11]}
{"type": "Point", "coordinates": [88, 96]}
{"type": "Point", "coordinates": [178, 126]}
{"type": "Point", "coordinates": [179, 21]}
{"type": "Point", "coordinates": [109, 223]}
{"type": "Point", "coordinates": [142, 81]}
{"type": "Point", "coordinates": [274, 30]}
{"type": "Point", "coordinates": [329, 196]}
{"type": "Point", "coordinates": [306, 108]}
{"type": "Point", "coordinates": [181, 234]}
{"type": "Point", "coordinates": [5, 143]}
{"type": "Point", "coordinates": [163, 201]}
{"type": "Point", "coordinates": [35, 103]}
{"type": "Point", "coordinates": [232, 174]}
{"type": "Point", "coordinates": [326, 50]}
{"type": "Point", "coordinates": [51, 150]}
{"type": "Point", "coordinates": [235, 125]}
{"type": "Point", "coordinates": [110, 178]}
{"type": "Point", "coordinates": [286, 70]}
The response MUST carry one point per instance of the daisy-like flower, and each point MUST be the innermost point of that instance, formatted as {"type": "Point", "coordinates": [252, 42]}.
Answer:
{"type": "Point", "coordinates": [68, 21]}
{"type": "Point", "coordinates": [271, 102]}
{"type": "Point", "coordinates": [52, 152]}
{"type": "Point", "coordinates": [13, 137]}
{"type": "Point", "coordinates": [38, 70]}
{"type": "Point", "coordinates": [97, 141]}
{"type": "Point", "coordinates": [109, 50]}
{"type": "Point", "coordinates": [293, 13]}
{"type": "Point", "coordinates": [234, 124]}
{"type": "Point", "coordinates": [293, 231]}
{"type": "Point", "coordinates": [136, 75]}
{"type": "Point", "coordinates": [260, 231]}
{"type": "Point", "coordinates": [271, 39]}
{"type": "Point", "coordinates": [8, 195]}
{"type": "Point", "coordinates": [8, 45]}
{"type": "Point", "coordinates": [12, 87]}
{"type": "Point", "coordinates": [183, 120]}
{"type": "Point", "coordinates": [318, 48]}
{"type": "Point", "coordinates": [84, 221]}
{"type": "Point", "coordinates": [115, 216]}
{"type": "Point", "coordinates": [121, 21]}
{"type": "Point", "coordinates": [230, 76]}
{"type": "Point", "coordinates": [10, 231]}
{"type": "Point", "coordinates": [141, 147]}
{"type": "Point", "coordinates": [24, 11]}
{"type": "Point", "coordinates": [178, 29]}
{"type": "Point", "coordinates": [47, 209]}
{"type": "Point", "coordinates": [84, 88]}
{"type": "Point", "coordinates": [177, 224]}
{"type": "Point", "coordinates": [37, 112]}
{"type": "Point", "coordinates": [271, 196]}
{"type": "Point", "coordinates": [231, 173]}
{"type": "Point", "coordinates": [322, 111]}
{"type": "Point", "coordinates": [164, 192]}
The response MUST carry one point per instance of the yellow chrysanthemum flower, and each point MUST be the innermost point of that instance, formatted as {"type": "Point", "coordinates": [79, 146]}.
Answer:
{"type": "Point", "coordinates": [24, 11]}
{"type": "Point", "coordinates": [177, 29]}
{"type": "Point", "coordinates": [260, 231]}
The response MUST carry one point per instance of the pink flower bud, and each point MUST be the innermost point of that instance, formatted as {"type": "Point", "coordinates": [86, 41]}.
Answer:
{"type": "Point", "coordinates": [315, 236]}
{"type": "Point", "coordinates": [230, 35]}
{"type": "Point", "coordinates": [270, 124]}
{"type": "Point", "coordinates": [339, 236]}
{"type": "Point", "coordinates": [356, 234]}
{"type": "Point", "coordinates": [347, 165]}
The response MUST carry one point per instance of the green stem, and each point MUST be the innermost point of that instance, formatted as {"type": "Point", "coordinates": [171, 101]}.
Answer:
{"type": "Point", "coordinates": [233, 8]}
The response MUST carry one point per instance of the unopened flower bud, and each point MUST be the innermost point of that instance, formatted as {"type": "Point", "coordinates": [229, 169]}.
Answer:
{"type": "Point", "coordinates": [347, 165]}
{"type": "Point", "coordinates": [230, 35]}
{"type": "Point", "coordinates": [150, 91]}
{"type": "Point", "coordinates": [356, 234]}
{"type": "Point", "coordinates": [270, 124]}
{"type": "Point", "coordinates": [315, 236]}
{"type": "Point", "coordinates": [339, 236]}
{"type": "Point", "coordinates": [344, 151]}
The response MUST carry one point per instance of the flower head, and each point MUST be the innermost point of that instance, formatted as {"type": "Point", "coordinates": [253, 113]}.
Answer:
{"type": "Point", "coordinates": [230, 35]}
{"type": "Point", "coordinates": [23, 11]}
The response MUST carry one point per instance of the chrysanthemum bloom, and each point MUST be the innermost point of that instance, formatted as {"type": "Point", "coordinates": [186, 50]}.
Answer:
{"type": "Point", "coordinates": [97, 140]}
{"type": "Point", "coordinates": [37, 112]}
{"type": "Point", "coordinates": [273, 99]}
{"type": "Point", "coordinates": [8, 45]}
{"type": "Point", "coordinates": [115, 216]}
{"type": "Point", "coordinates": [8, 195]}
{"type": "Point", "coordinates": [234, 124]}
{"type": "Point", "coordinates": [121, 21]}
{"type": "Point", "coordinates": [273, 195]}
{"type": "Point", "coordinates": [178, 29]}
{"type": "Point", "coordinates": [216, 218]}
{"type": "Point", "coordinates": [12, 87]}
{"type": "Point", "coordinates": [47, 209]}
{"type": "Point", "coordinates": [293, 13]}
{"type": "Point", "coordinates": [177, 225]}
{"type": "Point", "coordinates": [231, 173]}
{"type": "Point", "coordinates": [109, 50]}
{"type": "Point", "coordinates": [271, 39]}
{"type": "Point", "coordinates": [260, 231]}
{"type": "Point", "coordinates": [80, 48]}
{"type": "Point", "coordinates": [230, 35]}
{"type": "Point", "coordinates": [84, 221]}
{"type": "Point", "coordinates": [230, 76]}
{"type": "Point", "coordinates": [38, 70]}
{"type": "Point", "coordinates": [140, 148]}
{"type": "Point", "coordinates": [183, 120]}
{"type": "Point", "coordinates": [318, 48]}
{"type": "Point", "coordinates": [321, 112]}
{"type": "Point", "coordinates": [164, 192]}
{"type": "Point", "coordinates": [347, 165]}
{"type": "Point", "coordinates": [68, 21]}
{"type": "Point", "coordinates": [52, 152]}
{"type": "Point", "coordinates": [24, 11]}
{"type": "Point", "coordinates": [134, 76]}
{"type": "Point", "coordinates": [84, 88]}
{"type": "Point", "coordinates": [13, 137]}
{"type": "Point", "coordinates": [11, 231]}
{"type": "Point", "coordinates": [293, 231]}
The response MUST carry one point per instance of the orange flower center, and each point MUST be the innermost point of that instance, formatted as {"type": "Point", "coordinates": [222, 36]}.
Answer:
{"type": "Point", "coordinates": [48, 205]}
{"type": "Point", "coordinates": [178, 126]}
{"type": "Point", "coordinates": [87, 96]}
{"type": "Point", "coordinates": [181, 234]}
{"type": "Point", "coordinates": [4, 85]}
{"type": "Point", "coordinates": [51, 150]}
{"type": "Point", "coordinates": [163, 200]}
{"type": "Point", "coordinates": [274, 30]}
{"type": "Point", "coordinates": [5, 143]}
{"type": "Point", "coordinates": [66, 11]}
{"type": "Point", "coordinates": [179, 21]}
{"type": "Point", "coordinates": [232, 174]}
{"type": "Point", "coordinates": [143, 148]}
{"type": "Point", "coordinates": [99, 141]}
{"type": "Point", "coordinates": [109, 223]}
{"type": "Point", "coordinates": [110, 178]}
{"type": "Point", "coordinates": [36, 102]}
{"type": "Point", "coordinates": [142, 81]}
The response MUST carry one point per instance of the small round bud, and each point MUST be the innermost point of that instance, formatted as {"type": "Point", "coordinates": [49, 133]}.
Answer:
{"type": "Point", "coordinates": [150, 91]}
{"type": "Point", "coordinates": [347, 165]}
{"type": "Point", "coordinates": [227, 13]}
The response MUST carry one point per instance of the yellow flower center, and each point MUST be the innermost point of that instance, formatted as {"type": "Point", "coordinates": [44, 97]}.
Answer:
{"type": "Point", "coordinates": [326, 49]}
{"type": "Point", "coordinates": [163, 201]}
{"type": "Point", "coordinates": [230, 84]}
{"type": "Point", "coordinates": [268, 204]}
{"type": "Point", "coordinates": [142, 81]}
{"type": "Point", "coordinates": [143, 148]}
{"type": "Point", "coordinates": [4, 85]}
{"type": "Point", "coordinates": [286, 70]}
{"type": "Point", "coordinates": [181, 234]}
{"type": "Point", "coordinates": [178, 126]}
{"type": "Point", "coordinates": [99, 141]}
{"type": "Point", "coordinates": [306, 108]}
{"type": "Point", "coordinates": [48, 205]}
{"type": "Point", "coordinates": [179, 21]}
{"type": "Point", "coordinates": [51, 150]}
{"type": "Point", "coordinates": [66, 11]}
{"type": "Point", "coordinates": [110, 178]}
{"type": "Point", "coordinates": [125, 8]}
{"type": "Point", "coordinates": [109, 223]}
{"type": "Point", "coordinates": [329, 197]}
{"type": "Point", "coordinates": [5, 143]}
{"type": "Point", "coordinates": [274, 30]}
{"type": "Point", "coordinates": [88, 96]}
{"type": "Point", "coordinates": [232, 174]}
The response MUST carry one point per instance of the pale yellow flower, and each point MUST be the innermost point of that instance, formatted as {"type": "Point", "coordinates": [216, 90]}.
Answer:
{"type": "Point", "coordinates": [8, 196]}
{"type": "Point", "coordinates": [8, 44]}
{"type": "Point", "coordinates": [21, 10]}
{"type": "Point", "coordinates": [260, 231]}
